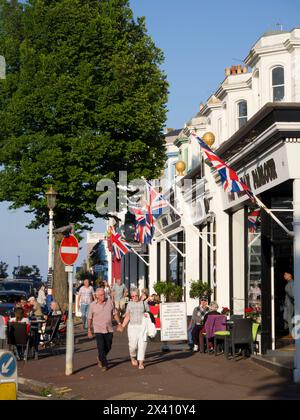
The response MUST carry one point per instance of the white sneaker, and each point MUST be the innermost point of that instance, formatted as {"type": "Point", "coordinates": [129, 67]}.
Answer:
{"type": "Point", "coordinates": [196, 347]}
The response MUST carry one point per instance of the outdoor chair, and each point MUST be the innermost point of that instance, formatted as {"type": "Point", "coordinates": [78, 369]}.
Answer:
{"type": "Point", "coordinates": [213, 324]}
{"type": "Point", "coordinates": [50, 335]}
{"type": "Point", "coordinates": [255, 331]}
{"type": "Point", "coordinates": [18, 338]}
{"type": "Point", "coordinates": [240, 334]}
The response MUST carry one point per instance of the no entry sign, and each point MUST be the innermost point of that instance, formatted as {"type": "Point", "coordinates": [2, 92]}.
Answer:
{"type": "Point", "coordinates": [69, 250]}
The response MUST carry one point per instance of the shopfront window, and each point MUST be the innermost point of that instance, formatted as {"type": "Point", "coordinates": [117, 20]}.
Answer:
{"type": "Point", "coordinates": [254, 262]}
{"type": "Point", "coordinates": [175, 261]}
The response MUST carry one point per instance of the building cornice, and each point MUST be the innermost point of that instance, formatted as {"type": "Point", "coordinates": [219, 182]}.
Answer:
{"type": "Point", "coordinates": [180, 141]}
{"type": "Point", "coordinates": [272, 121]}
{"type": "Point", "coordinates": [257, 52]}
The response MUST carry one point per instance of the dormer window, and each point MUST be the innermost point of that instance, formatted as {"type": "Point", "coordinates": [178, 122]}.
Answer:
{"type": "Point", "coordinates": [242, 113]}
{"type": "Point", "coordinates": [278, 84]}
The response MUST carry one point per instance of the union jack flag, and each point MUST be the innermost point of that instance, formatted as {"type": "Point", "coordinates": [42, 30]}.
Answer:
{"type": "Point", "coordinates": [151, 207]}
{"type": "Point", "coordinates": [253, 219]}
{"type": "Point", "coordinates": [229, 178]}
{"type": "Point", "coordinates": [144, 231]}
{"type": "Point", "coordinates": [154, 203]}
{"type": "Point", "coordinates": [119, 246]}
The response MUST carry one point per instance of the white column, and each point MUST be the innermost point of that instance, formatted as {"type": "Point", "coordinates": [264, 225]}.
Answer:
{"type": "Point", "coordinates": [223, 285]}
{"type": "Point", "coordinates": [153, 266]}
{"type": "Point", "coordinates": [191, 264]}
{"type": "Point", "coordinates": [205, 278]}
{"type": "Point", "coordinates": [238, 242]}
{"type": "Point", "coordinates": [163, 260]}
{"type": "Point", "coordinates": [296, 200]}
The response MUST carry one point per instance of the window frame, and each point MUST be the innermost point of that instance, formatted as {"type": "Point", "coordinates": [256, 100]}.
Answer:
{"type": "Point", "coordinates": [278, 66]}
{"type": "Point", "coordinates": [239, 117]}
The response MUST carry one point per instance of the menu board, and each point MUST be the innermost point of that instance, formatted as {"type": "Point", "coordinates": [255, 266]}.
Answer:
{"type": "Point", "coordinates": [173, 321]}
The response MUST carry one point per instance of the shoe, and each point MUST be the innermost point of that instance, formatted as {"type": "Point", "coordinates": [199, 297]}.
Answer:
{"type": "Point", "coordinates": [141, 367]}
{"type": "Point", "coordinates": [99, 363]}
{"type": "Point", "coordinates": [104, 368]}
{"type": "Point", "coordinates": [195, 347]}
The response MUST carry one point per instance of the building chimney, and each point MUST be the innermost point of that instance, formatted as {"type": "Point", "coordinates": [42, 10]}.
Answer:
{"type": "Point", "coordinates": [227, 71]}
{"type": "Point", "coordinates": [233, 70]}
{"type": "Point", "coordinates": [169, 130]}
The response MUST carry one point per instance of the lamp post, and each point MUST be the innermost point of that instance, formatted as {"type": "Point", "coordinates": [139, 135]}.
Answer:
{"type": "Point", "coordinates": [51, 202]}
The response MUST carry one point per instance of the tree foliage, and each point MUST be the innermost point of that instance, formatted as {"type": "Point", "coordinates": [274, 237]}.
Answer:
{"type": "Point", "coordinates": [26, 271]}
{"type": "Point", "coordinates": [3, 270]}
{"type": "Point", "coordinates": [84, 97]}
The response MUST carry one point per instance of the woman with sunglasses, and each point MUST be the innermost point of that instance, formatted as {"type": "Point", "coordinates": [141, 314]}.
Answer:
{"type": "Point", "coordinates": [135, 312]}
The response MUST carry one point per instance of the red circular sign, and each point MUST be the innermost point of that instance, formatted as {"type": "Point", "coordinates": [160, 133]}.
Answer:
{"type": "Point", "coordinates": [69, 250]}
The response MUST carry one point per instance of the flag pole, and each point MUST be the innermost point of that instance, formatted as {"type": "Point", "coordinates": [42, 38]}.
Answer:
{"type": "Point", "coordinates": [163, 235]}
{"type": "Point", "coordinates": [170, 242]}
{"type": "Point", "coordinates": [250, 193]}
{"type": "Point", "coordinates": [267, 210]}
{"type": "Point", "coordinates": [182, 217]}
{"type": "Point", "coordinates": [138, 255]}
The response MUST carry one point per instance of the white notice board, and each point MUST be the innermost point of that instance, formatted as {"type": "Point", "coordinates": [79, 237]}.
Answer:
{"type": "Point", "coordinates": [173, 321]}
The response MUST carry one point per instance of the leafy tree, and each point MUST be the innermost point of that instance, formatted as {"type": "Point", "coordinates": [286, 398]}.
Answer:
{"type": "Point", "coordinates": [3, 270]}
{"type": "Point", "coordinates": [26, 271]}
{"type": "Point", "coordinates": [84, 97]}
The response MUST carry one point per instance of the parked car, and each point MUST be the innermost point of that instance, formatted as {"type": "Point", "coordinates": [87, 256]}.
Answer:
{"type": "Point", "coordinates": [8, 300]}
{"type": "Point", "coordinates": [25, 286]}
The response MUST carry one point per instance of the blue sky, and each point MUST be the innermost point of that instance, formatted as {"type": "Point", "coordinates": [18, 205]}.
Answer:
{"type": "Point", "coordinates": [199, 40]}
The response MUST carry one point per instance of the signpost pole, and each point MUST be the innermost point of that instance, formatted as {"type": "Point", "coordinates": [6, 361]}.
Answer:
{"type": "Point", "coordinates": [70, 326]}
{"type": "Point", "coordinates": [69, 249]}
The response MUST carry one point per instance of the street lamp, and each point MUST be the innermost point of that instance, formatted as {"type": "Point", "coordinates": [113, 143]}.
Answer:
{"type": "Point", "coordinates": [51, 202]}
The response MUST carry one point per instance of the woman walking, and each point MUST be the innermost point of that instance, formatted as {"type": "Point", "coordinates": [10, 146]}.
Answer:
{"type": "Point", "coordinates": [136, 330]}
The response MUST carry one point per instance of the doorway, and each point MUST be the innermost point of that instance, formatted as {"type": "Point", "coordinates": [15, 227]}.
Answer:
{"type": "Point", "coordinates": [283, 261]}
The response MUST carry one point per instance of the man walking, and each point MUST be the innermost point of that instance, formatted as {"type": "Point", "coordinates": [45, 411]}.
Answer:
{"type": "Point", "coordinates": [118, 292]}
{"type": "Point", "coordinates": [86, 297]}
{"type": "Point", "coordinates": [101, 314]}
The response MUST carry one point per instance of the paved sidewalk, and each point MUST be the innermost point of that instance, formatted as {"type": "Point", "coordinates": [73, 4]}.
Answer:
{"type": "Point", "coordinates": [173, 375]}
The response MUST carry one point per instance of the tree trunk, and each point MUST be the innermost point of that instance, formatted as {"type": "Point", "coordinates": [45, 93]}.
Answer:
{"type": "Point", "coordinates": [60, 277]}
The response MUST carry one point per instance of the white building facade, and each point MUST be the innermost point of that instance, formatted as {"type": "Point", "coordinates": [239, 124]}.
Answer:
{"type": "Point", "coordinates": [254, 116]}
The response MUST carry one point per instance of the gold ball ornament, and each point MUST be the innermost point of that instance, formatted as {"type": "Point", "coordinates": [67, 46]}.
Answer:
{"type": "Point", "coordinates": [180, 167]}
{"type": "Point", "coordinates": [209, 138]}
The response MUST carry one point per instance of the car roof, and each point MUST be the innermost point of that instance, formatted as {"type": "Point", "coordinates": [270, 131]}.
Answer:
{"type": "Point", "coordinates": [12, 292]}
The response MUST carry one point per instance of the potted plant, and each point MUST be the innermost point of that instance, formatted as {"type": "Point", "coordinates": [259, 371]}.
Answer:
{"type": "Point", "coordinates": [226, 311]}
{"type": "Point", "coordinates": [254, 314]}
{"type": "Point", "coordinates": [172, 292]}
{"type": "Point", "coordinates": [198, 289]}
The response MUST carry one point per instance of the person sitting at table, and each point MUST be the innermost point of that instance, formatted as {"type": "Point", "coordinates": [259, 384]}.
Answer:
{"type": "Point", "coordinates": [54, 309]}
{"type": "Point", "coordinates": [213, 310]}
{"type": "Point", "coordinates": [35, 309]}
{"type": "Point", "coordinates": [19, 318]}
{"type": "Point", "coordinates": [25, 306]}
{"type": "Point", "coordinates": [197, 320]}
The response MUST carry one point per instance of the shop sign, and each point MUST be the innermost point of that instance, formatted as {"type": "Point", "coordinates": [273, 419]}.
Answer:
{"type": "Point", "coordinates": [262, 175]}
{"type": "Point", "coordinates": [173, 321]}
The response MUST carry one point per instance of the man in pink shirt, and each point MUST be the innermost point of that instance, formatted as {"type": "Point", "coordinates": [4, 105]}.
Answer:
{"type": "Point", "coordinates": [101, 314]}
